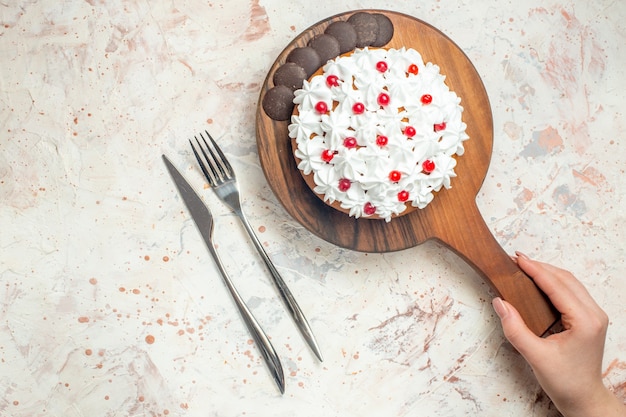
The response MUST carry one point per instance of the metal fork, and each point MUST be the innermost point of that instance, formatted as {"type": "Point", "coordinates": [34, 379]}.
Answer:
{"type": "Point", "coordinates": [221, 177]}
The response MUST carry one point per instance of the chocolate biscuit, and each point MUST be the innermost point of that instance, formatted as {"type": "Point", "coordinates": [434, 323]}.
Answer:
{"type": "Point", "coordinates": [290, 75]}
{"type": "Point", "coordinates": [366, 28]}
{"type": "Point", "coordinates": [278, 102]}
{"type": "Point", "coordinates": [326, 46]}
{"type": "Point", "coordinates": [345, 34]}
{"type": "Point", "coordinates": [307, 58]}
{"type": "Point", "coordinates": [385, 30]}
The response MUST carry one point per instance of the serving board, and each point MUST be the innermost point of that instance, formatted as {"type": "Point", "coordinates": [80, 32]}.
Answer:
{"type": "Point", "coordinates": [452, 218]}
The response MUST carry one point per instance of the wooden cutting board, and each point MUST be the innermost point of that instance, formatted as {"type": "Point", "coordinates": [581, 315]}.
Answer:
{"type": "Point", "coordinates": [452, 218]}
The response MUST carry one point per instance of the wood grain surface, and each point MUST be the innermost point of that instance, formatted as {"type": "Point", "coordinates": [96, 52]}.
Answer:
{"type": "Point", "coordinates": [452, 218]}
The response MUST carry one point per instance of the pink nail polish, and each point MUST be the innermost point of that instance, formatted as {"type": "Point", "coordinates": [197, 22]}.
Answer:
{"type": "Point", "coordinates": [500, 308]}
{"type": "Point", "coordinates": [522, 255]}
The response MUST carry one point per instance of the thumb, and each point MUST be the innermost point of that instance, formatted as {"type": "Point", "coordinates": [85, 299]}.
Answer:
{"type": "Point", "coordinates": [515, 330]}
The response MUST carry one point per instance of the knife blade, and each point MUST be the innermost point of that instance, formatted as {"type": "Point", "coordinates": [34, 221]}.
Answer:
{"type": "Point", "coordinates": [204, 222]}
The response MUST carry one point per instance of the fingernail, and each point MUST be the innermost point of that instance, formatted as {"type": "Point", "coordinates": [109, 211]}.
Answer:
{"type": "Point", "coordinates": [522, 255]}
{"type": "Point", "coordinates": [501, 309]}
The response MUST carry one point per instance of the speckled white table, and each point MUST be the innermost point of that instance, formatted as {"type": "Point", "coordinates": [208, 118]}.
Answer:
{"type": "Point", "coordinates": [109, 302]}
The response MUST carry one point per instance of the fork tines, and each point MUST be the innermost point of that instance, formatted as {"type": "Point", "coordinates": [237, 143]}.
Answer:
{"type": "Point", "coordinates": [220, 169]}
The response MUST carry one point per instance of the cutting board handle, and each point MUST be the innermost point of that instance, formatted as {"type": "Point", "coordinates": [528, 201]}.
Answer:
{"type": "Point", "coordinates": [474, 243]}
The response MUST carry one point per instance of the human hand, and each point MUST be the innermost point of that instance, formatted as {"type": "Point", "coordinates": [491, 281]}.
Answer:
{"type": "Point", "coordinates": [568, 365]}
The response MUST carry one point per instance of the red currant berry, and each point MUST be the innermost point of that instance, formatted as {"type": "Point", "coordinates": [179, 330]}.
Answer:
{"type": "Point", "coordinates": [403, 196]}
{"type": "Point", "coordinates": [426, 99]}
{"type": "Point", "coordinates": [410, 131]}
{"type": "Point", "coordinates": [332, 81]}
{"type": "Point", "coordinates": [383, 99]}
{"type": "Point", "coordinates": [395, 176]}
{"type": "Point", "coordinates": [413, 69]}
{"type": "Point", "coordinates": [327, 155]}
{"type": "Point", "coordinates": [350, 142]}
{"type": "Point", "coordinates": [381, 66]}
{"type": "Point", "coordinates": [321, 107]}
{"type": "Point", "coordinates": [358, 108]}
{"type": "Point", "coordinates": [382, 140]}
{"type": "Point", "coordinates": [344, 184]}
{"type": "Point", "coordinates": [428, 166]}
{"type": "Point", "coordinates": [369, 209]}
{"type": "Point", "coordinates": [439, 126]}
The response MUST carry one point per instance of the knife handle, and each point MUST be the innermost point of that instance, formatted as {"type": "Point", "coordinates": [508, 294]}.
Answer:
{"type": "Point", "coordinates": [263, 342]}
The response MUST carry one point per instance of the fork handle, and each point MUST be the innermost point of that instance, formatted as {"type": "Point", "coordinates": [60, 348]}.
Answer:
{"type": "Point", "coordinates": [263, 342]}
{"type": "Point", "coordinates": [287, 296]}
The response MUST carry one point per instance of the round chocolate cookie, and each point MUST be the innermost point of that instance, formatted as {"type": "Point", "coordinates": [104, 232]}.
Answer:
{"type": "Point", "coordinates": [345, 34]}
{"type": "Point", "coordinates": [290, 75]}
{"type": "Point", "coordinates": [326, 46]}
{"type": "Point", "coordinates": [278, 102]}
{"type": "Point", "coordinates": [366, 28]}
{"type": "Point", "coordinates": [307, 58]}
{"type": "Point", "coordinates": [385, 30]}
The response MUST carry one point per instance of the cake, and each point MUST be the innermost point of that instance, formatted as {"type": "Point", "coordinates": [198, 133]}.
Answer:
{"type": "Point", "coordinates": [376, 132]}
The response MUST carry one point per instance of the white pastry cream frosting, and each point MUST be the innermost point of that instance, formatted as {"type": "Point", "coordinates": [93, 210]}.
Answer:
{"type": "Point", "coordinates": [378, 130]}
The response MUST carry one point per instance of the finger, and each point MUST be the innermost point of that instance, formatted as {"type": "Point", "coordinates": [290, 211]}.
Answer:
{"type": "Point", "coordinates": [516, 331]}
{"type": "Point", "coordinates": [567, 293]}
{"type": "Point", "coordinates": [559, 285]}
{"type": "Point", "coordinates": [544, 270]}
